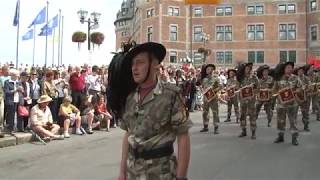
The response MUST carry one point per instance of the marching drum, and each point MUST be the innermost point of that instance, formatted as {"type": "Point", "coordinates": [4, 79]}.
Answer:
{"type": "Point", "coordinates": [286, 95]}
{"type": "Point", "coordinates": [264, 95]}
{"type": "Point", "coordinates": [246, 92]}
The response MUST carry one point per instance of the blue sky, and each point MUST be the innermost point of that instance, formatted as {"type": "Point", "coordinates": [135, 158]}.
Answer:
{"type": "Point", "coordinates": [71, 54]}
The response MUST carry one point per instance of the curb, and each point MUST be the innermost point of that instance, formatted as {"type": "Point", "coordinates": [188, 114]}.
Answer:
{"type": "Point", "coordinates": [17, 139]}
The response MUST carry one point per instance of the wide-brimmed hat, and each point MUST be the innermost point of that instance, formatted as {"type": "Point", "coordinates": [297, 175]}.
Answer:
{"type": "Point", "coordinates": [295, 71]}
{"type": "Point", "coordinates": [279, 69]}
{"type": "Point", "coordinates": [210, 65]}
{"type": "Point", "coordinates": [261, 69]}
{"type": "Point", "coordinates": [231, 70]}
{"type": "Point", "coordinates": [158, 50]}
{"type": "Point", "coordinates": [44, 99]}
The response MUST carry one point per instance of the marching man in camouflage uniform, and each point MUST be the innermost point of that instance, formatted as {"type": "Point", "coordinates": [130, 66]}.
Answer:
{"type": "Point", "coordinates": [305, 104]}
{"type": "Point", "coordinates": [265, 86]}
{"type": "Point", "coordinates": [285, 86]}
{"type": "Point", "coordinates": [210, 81]}
{"type": "Point", "coordinates": [154, 115]}
{"type": "Point", "coordinates": [313, 74]}
{"type": "Point", "coordinates": [232, 98]}
{"type": "Point", "coordinates": [248, 86]}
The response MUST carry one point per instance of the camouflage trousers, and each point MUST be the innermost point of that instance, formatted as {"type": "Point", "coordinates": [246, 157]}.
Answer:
{"type": "Point", "coordinates": [267, 107]}
{"type": "Point", "coordinates": [247, 108]}
{"type": "Point", "coordinates": [213, 105]}
{"type": "Point", "coordinates": [317, 106]}
{"type": "Point", "coordinates": [305, 108]}
{"type": "Point", "coordinates": [156, 169]}
{"type": "Point", "coordinates": [273, 102]}
{"type": "Point", "coordinates": [315, 103]}
{"type": "Point", "coordinates": [282, 114]}
{"type": "Point", "coordinates": [235, 103]}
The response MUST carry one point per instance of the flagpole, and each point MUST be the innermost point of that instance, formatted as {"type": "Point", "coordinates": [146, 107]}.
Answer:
{"type": "Point", "coordinates": [62, 21]}
{"type": "Point", "coordinates": [17, 50]}
{"type": "Point", "coordinates": [34, 43]}
{"type": "Point", "coordinates": [46, 50]}
{"type": "Point", "coordinates": [59, 34]}
{"type": "Point", "coordinates": [53, 38]}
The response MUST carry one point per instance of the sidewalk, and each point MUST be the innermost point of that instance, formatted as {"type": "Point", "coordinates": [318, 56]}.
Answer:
{"type": "Point", "coordinates": [17, 139]}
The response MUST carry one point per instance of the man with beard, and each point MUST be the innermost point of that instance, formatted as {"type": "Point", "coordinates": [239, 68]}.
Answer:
{"type": "Point", "coordinates": [264, 94]}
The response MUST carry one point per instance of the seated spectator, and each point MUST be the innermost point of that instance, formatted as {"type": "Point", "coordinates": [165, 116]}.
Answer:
{"type": "Point", "coordinates": [41, 120]}
{"type": "Point", "coordinates": [101, 113]}
{"type": "Point", "coordinates": [87, 115]}
{"type": "Point", "coordinates": [69, 114]}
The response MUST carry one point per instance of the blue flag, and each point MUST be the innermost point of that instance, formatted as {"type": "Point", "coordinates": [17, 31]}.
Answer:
{"type": "Point", "coordinates": [46, 31]}
{"type": "Point", "coordinates": [53, 23]}
{"type": "Point", "coordinates": [40, 18]}
{"type": "Point", "coordinates": [28, 35]}
{"type": "Point", "coordinates": [17, 14]}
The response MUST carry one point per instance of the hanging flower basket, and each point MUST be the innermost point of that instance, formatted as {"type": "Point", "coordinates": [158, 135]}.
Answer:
{"type": "Point", "coordinates": [97, 38]}
{"type": "Point", "coordinates": [79, 37]}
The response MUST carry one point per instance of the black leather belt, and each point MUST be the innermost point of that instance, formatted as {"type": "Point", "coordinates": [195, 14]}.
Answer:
{"type": "Point", "coordinates": [153, 153]}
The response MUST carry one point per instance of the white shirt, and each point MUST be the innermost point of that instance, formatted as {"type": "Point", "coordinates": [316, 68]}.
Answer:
{"type": "Point", "coordinates": [36, 89]}
{"type": "Point", "coordinates": [94, 82]}
{"type": "Point", "coordinates": [15, 94]}
{"type": "Point", "coordinates": [39, 117]}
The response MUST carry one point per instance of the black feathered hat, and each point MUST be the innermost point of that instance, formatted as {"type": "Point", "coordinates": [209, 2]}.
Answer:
{"type": "Point", "coordinates": [279, 70]}
{"type": "Point", "coordinates": [261, 69]}
{"type": "Point", "coordinates": [241, 70]}
{"type": "Point", "coordinates": [204, 70]}
{"type": "Point", "coordinates": [231, 70]}
{"type": "Point", "coordinates": [158, 50]}
{"type": "Point", "coordinates": [295, 71]}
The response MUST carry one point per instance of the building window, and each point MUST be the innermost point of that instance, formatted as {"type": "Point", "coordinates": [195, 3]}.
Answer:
{"type": "Point", "coordinates": [224, 11]}
{"type": "Point", "coordinates": [124, 34]}
{"type": "Point", "coordinates": [173, 32]}
{"type": "Point", "coordinates": [197, 11]}
{"type": "Point", "coordinates": [197, 33]}
{"type": "Point", "coordinates": [149, 34]}
{"type": "Point", "coordinates": [224, 57]}
{"type": "Point", "coordinates": [173, 57]}
{"type": "Point", "coordinates": [282, 9]}
{"type": "Point", "coordinates": [313, 5]}
{"type": "Point", "coordinates": [314, 33]}
{"type": "Point", "coordinates": [291, 8]}
{"type": "Point", "coordinates": [287, 31]}
{"type": "Point", "coordinates": [255, 32]}
{"type": "Point", "coordinates": [224, 33]}
{"type": "Point", "coordinates": [255, 9]}
{"type": "Point", "coordinates": [173, 11]}
{"type": "Point", "coordinates": [288, 56]}
{"type": "Point", "coordinates": [287, 8]}
{"type": "Point", "coordinates": [256, 57]}
{"type": "Point", "coordinates": [150, 13]}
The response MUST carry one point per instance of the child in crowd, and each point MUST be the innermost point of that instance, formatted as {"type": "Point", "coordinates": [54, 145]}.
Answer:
{"type": "Point", "coordinates": [101, 113]}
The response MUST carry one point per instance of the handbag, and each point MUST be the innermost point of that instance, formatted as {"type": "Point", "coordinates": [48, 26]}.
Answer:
{"type": "Point", "coordinates": [23, 111]}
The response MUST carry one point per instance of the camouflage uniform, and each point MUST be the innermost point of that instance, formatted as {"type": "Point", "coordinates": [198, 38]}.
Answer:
{"type": "Point", "coordinates": [315, 98]}
{"type": "Point", "coordinates": [305, 106]}
{"type": "Point", "coordinates": [289, 109]}
{"type": "Point", "coordinates": [211, 82]}
{"type": "Point", "coordinates": [265, 84]}
{"type": "Point", "coordinates": [233, 100]}
{"type": "Point", "coordinates": [247, 106]}
{"type": "Point", "coordinates": [154, 123]}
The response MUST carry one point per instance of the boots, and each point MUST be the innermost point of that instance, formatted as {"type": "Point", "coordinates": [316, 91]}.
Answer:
{"type": "Point", "coordinates": [306, 127]}
{"type": "Point", "coordinates": [216, 131]}
{"type": "Point", "coordinates": [280, 138]}
{"type": "Point", "coordinates": [269, 123]}
{"type": "Point", "coordinates": [295, 139]}
{"type": "Point", "coordinates": [228, 120]}
{"type": "Point", "coordinates": [205, 129]}
{"type": "Point", "coordinates": [237, 120]}
{"type": "Point", "coordinates": [243, 133]}
{"type": "Point", "coordinates": [253, 135]}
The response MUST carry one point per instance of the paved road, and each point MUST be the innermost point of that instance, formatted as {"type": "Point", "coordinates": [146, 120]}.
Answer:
{"type": "Point", "coordinates": [214, 157]}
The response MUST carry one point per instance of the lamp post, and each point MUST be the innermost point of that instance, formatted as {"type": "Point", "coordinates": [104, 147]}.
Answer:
{"type": "Point", "coordinates": [93, 22]}
{"type": "Point", "coordinates": [205, 38]}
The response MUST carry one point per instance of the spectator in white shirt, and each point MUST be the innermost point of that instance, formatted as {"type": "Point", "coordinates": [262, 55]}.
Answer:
{"type": "Point", "coordinates": [42, 122]}
{"type": "Point", "coordinates": [94, 82]}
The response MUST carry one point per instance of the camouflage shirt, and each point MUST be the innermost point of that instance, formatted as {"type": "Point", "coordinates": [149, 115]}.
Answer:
{"type": "Point", "coordinates": [266, 83]}
{"type": "Point", "coordinates": [292, 82]}
{"type": "Point", "coordinates": [211, 82]}
{"type": "Point", "coordinates": [232, 82]}
{"type": "Point", "coordinates": [252, 80]}
{"type": "Point", "coordinates": [157, 120]}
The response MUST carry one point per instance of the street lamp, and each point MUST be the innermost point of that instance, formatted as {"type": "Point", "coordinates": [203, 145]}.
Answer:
{"type": "Point", "coordinates": [93, 22]}
{"type": "Point", "coordinates": [205, 38]}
